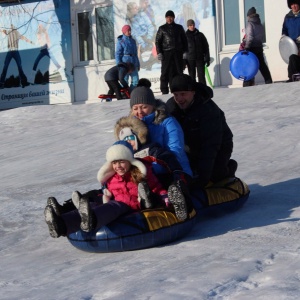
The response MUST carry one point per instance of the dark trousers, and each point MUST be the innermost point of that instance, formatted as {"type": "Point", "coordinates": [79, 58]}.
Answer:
{"type": "Point", "coordinates": [114, 88]}
{"type": "Point", "coordinates": [263, 68]}
{"type": "Point", "coordinates": [294, 65]}
{"type": "Point", "coordinates": [105, 213]}
{"type": "Point", "coordinates": [171, 65]}
{"type": "Point", "coordinates": [198, 65]}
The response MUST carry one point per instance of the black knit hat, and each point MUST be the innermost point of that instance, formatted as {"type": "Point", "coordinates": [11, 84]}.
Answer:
{"type": "Point", "coordinates": [142, 95]}
{"type": "Point", "coordinates": [251, 11]}
{"type": "Point", "coordinates": [170, 13]}
{"type": "Point", "coordinates": [290, 2]}
{"type": "Point", "coordinates": [183, 82]}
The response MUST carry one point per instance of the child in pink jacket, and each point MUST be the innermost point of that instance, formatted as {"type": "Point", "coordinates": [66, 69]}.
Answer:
{"type": "Point", "coordinates": [123, 177]}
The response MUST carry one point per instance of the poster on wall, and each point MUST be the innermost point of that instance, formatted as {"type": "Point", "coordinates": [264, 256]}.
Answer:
{"type": "Point", "coordinates": [35, 53]}
{"type": "Point", "coordinates": [145, 17]}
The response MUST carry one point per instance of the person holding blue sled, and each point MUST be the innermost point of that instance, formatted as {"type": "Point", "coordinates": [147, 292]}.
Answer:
{"type": "Point", "coordinates": [254, 38]}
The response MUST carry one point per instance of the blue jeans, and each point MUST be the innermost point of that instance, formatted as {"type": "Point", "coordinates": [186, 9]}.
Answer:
{"type": "Point", "coordinates": [14, 54]}
{"type": "Point", "coordinates": [134, 79]}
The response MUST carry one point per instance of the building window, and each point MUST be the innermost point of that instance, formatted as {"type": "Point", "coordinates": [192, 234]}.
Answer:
{"type": "Point", "coordinates": [85, 36]}
{"type": "Point", "coordinates": [96, 34]}
{"type": "Point", "coordinates": [105, 33]}
{"type": "Point", "coordinates": [235, 18]}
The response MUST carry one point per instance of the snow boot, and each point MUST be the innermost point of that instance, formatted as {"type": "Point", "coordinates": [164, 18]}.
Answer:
{"type": "Point", "coordinates": [176, 197]}
{"type": "Point", "coordinates": [232, 167]}
{"type": "Point", "coordinates": [145, 195]}
{"type": "Point", "coordinates": [88, 218]}
{"type": "Point", "coordinates": [55, 223]}
{"type": "Point", "coordinates": [75, 198]}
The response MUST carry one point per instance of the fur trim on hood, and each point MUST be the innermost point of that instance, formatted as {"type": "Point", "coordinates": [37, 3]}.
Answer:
{"type": "Point", "coordinates": [138, 128]}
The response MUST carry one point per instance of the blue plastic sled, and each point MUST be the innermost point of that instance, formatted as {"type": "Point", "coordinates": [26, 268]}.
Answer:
{"type": "Point", "coordinates": [244, 65]}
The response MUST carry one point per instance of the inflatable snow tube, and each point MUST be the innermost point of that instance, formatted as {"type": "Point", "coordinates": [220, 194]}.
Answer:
{"type": "Point", "coordinates": [151, 228]}
{"type": "Point", "coordinates": [139, 230]}
{"type": "Point", "coordinates": [226, 196]}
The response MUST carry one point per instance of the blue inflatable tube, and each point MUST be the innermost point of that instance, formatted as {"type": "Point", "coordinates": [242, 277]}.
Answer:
{"type": "Point", "coordinates": [135, 231]}
{"type": "Point", "coordinates": [151, 228]}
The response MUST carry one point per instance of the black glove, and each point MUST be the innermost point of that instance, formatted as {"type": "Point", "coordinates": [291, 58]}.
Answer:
{"type": "Point", "coordinates": [180, 175]}
{"type": "Point", "coordinates": [160, 56]}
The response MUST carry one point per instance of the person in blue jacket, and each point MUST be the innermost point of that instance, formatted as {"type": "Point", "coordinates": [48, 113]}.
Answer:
{"type": "Point", "coordinates": [164, 130]}
{"type": "Point", "coordinates": [291, 28]}
{"type": "Point", "coordinates": [115, 78]}
{"type": "Point", "coordinates": [126, 51]}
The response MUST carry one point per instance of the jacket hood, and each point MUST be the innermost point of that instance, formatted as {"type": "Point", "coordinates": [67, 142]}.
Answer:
{"type": "Point", "coordinates": [203, 92]}
{"type": "Point", "coordinates": [137, 126]}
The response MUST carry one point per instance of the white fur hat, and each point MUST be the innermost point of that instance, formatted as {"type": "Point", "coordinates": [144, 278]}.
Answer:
{"type": "Point", "coordinates": [120, 150]}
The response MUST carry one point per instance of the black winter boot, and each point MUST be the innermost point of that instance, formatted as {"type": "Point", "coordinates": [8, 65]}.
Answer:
{"type": "Point", "coordinates": [75, 198]}
{"type": "Point", "coordinates": [176, 197]}
{"type": "Point", "coordinates": [145, 195]}
{"type": "Point", "coordinates": [51, 201]}
{"type": "Point", "coordinates": [88, 218]}
{"type": "Point", "coordinates": [55, 223]}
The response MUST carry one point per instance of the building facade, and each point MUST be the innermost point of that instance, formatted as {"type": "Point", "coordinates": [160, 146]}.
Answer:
{"type": "Point", "coordinates": [57, 51]}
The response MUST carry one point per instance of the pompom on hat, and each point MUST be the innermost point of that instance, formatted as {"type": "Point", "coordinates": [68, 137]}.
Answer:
{"type": "Point", "coordinates": [182, 83]}
{"type": "Point", "coordinates": [120, 150]}
{"type": "Point", "coordinates": [290, 2]}
{"type": "Point", "coordinates": [170, 13]}
{"type": "Point", "coordinates": [125, 28]}
{"type": "Point", "coordinates": [142, 95]}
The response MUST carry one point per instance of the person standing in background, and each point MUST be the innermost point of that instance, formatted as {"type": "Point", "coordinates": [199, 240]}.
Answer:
{"type": "Point", "coordinates": [291, 28]}
{"type": "Point", "coordinates": [198, 55]}
{"type": "Point", "coordinates": [126, 51]}
{"type": "Point", "coordinates": [171, 45]}
{"type": "Point", "coordinates": [255, 34]}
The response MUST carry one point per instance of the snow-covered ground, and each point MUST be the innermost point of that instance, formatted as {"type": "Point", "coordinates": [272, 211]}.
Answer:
{"type": "Point", "coordinates": [250, 254]}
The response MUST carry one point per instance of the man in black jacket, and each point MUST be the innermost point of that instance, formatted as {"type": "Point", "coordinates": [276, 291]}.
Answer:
{"type": "Point", "coordinates": [171, 44]}
{"type": "Point", "coordinates": [198, 54]}
{"type": "Point", "coordinates": [207, 136]}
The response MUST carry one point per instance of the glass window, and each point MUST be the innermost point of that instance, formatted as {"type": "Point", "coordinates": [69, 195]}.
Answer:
{"type": "Point", "coordinates": [260, 9]}
{"type": "Point", "coordinates": [231, 22]}
{"type": "Point", "coordinates": [235, 18]}
{"type": "Point", "coordinates": [105, 33]}
{"type": "Point", "coordinates": [85, 36]}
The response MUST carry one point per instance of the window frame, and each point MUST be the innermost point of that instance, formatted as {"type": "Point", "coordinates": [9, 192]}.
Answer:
{"type": "Point", "coordinates": [221, 26]}
{"type": "Point", "coordinates": [94, 61]}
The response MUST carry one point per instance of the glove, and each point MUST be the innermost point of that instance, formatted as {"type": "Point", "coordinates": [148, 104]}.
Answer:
{"type": "Point", "coordinates": [160, 56]}
{"type": "Point", "coordinates": [207, 60]}
{"type": "Point", "coordinates": [185, 54]}
{"type": "Point", "coordinates": [180, 175]}
{"type": "Point", "coordinates": [298, 40]}
{"type": "Point", "coordinates": [165, 199]}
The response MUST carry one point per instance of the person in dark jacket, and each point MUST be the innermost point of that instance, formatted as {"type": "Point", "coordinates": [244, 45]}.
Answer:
{"type": "Point", "coordinates": [171, 45]}
{"type": "Point", "coordinates": [198, 55]}
{"type": "Point", "coordinates": [255, 34]}
{"type": "Point", "coordinates": [115, 78]}
{"type": "Point", "coordinates": [291, 28]}
{"type": "Point", "coordinates": [208, 138]}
